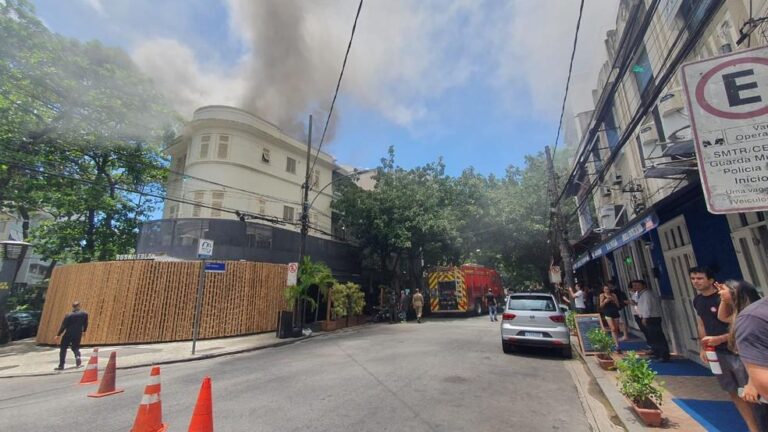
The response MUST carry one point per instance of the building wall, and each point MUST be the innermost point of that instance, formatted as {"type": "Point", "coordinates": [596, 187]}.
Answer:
{"type": "Point", "coordinates": [34, 268]}
{"type": "Point", "coordinates": [247, 159]}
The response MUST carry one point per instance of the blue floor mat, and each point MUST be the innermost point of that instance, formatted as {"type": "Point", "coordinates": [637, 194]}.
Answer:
{"type": "Point", "coordinates": [714, 416]}
{"type": "Point", "coordinates": [633, 345]}
{"type": "Point", "coordinates": [680, 367]}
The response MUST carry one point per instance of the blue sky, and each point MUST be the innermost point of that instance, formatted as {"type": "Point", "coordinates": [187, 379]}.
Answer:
{"type": "Point", "coordinates": [477, 82]}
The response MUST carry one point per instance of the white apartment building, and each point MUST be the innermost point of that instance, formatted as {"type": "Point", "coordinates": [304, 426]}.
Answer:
{"type": "Point", "coordinates": [228, 160]}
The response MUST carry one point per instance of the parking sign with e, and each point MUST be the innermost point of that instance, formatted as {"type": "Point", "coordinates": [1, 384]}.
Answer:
{"type": "Point", "coordinates": [727, 100]}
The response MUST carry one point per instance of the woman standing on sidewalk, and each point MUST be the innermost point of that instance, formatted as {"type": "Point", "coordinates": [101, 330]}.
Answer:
{"type": "Point", "coordinates": [609, 306]}
{"type": "Point", "coordinates": [735, 296]}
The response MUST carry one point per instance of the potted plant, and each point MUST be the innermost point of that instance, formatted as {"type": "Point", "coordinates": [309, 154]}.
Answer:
{"type": "Point", "coordinates": [603, 344]}
{"type": "Point", "coordinates": [636, 382]}
{"type": "Point", "coordinates": [348, 300]}
{"type": "Point", "coordinates": [310, 273]}
{"type": "Point", "coordinates": [570, 321]}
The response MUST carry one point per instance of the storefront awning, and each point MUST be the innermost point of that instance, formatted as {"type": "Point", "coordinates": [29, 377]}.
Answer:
{"type": "Point", "coordinates": [628, 234]}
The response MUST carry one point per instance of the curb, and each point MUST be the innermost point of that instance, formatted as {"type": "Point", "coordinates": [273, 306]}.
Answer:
{"type": "Point", "coordinates": [181, 360]}
{"type": "Point", "coordinates": [619, 404]}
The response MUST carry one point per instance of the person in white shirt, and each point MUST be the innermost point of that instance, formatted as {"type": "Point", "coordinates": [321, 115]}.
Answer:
{"type": "Point", "coordinates": [578, 299]}
{"type": "Point", "coordinates": [649, 311]}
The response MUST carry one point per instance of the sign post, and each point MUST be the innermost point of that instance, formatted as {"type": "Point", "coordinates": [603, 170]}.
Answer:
{"type": "Point", "coordinates": [204, 250]}
{"type": "Point", "coordinates": [727, 99]}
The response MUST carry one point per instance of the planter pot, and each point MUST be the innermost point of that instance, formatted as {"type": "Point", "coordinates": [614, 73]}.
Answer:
{"type": "Point", "coordinates": [606, 362]}
{"type": "Point", "coordinates": [649, 413]}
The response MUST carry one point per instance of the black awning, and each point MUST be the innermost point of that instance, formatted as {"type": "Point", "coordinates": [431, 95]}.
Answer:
{"type": "Point", "coordinates": [666, 172]}
{"type": "Point", "coordinates": [679, 149]}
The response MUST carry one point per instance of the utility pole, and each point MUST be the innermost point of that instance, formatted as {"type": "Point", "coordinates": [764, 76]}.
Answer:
{"type": "Point", "coordinates": [304, 220]}
{"type": "Point", "coordinates": [560, 232]}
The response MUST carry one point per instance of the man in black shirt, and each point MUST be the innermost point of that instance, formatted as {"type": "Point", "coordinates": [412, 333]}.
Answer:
{"type": "Point", "coordinates": [73, 326]}
{"type": "Point", "coordinates": [714, 333]}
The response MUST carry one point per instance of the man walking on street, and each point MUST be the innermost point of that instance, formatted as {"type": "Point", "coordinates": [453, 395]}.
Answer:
{"type": "Point", "coordinates": [418, 303]}
{"type": "Point", "coordinates": [73, 326]}
{"type": "Point", "coordinates": [714, 333]}
{"type": "Point", "coordinates": [490, 301]}
{"type": "Point", "coordinates": [649, 311]}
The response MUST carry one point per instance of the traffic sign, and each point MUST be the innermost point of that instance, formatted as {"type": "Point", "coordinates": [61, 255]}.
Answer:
{"type": "Point", "coordinates": [727, 99]}
{"type": "Point", "coordinates": [293, 273]}
{"type": "Point", "coordinates": [215, 267]}
{"type": "Point", "coordinates": [205, 248]}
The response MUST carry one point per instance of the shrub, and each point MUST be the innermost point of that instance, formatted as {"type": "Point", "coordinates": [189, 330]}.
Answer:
{"type": "Point", "coordinates": [636, 381]}
{"type": "Point", "coordinates": [570, 320]}
{"type": "Point", "coordinates": [348, 300]}
{"type": "Point", "coordinates": [601, 340]}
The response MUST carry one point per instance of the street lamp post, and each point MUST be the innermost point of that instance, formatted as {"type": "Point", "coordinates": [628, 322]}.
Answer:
{"type": "Point", "coordinates": [9, 268]}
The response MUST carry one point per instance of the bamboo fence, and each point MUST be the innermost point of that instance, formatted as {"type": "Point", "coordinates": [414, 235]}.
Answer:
{"type": "Point", "coordinates": [153, 301]}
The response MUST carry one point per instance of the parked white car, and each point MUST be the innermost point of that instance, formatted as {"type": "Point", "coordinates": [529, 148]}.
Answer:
{"type": "Point", "coordinates": [534, 319]}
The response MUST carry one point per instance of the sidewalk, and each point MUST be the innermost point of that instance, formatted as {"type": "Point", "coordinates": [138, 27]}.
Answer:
{"type": "Point", "coordinates": [24, 358]}
{"type": "Point", "coordinates": [692, 399]}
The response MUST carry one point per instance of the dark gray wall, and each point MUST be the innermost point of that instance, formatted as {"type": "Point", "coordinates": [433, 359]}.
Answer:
{"type": "Point", "coordinates": [250, 241]}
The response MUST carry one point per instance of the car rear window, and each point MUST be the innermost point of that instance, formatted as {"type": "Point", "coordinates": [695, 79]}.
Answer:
{"type": "Point", "coordinates": [531, 303]}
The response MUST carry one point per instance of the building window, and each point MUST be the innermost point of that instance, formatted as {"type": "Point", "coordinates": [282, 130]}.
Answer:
{"type": "Point", "coordinates": [642, 70]}
{"type": "Point", "coordinates": [316, 178]}
{"type": "Point", "coordinates": [265, 155]}
{"type": "Point", "coordinates": [288, 213]}
{"type": "Point", "coordinates": [205, 143]}
{"type": "Point", "coordinates": [262, 206]}
{"type": "Point", "coordinates": [290, 165]}
{"type": "Point", "coordinates": [217, 202]}
{"type": "Point", "coordinates": [199, 197]}
{"type": "Point", "coordinates": [223, 150]}
{"type": "Point", "coordinates": [172, 211]}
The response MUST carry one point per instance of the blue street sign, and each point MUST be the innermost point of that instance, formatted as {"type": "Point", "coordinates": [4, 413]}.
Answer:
{"type": "Point", "coordinates": [215, 267]}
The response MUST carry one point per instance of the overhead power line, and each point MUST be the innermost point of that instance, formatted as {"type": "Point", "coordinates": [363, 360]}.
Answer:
{"type": "Point", "coordinates": [568, 81]}
{"type": "Point", "coordinates": [338, 85]}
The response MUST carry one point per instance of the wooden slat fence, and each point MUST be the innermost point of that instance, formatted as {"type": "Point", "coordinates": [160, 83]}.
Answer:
{"type": "Point", "coordinates": [154, 301]}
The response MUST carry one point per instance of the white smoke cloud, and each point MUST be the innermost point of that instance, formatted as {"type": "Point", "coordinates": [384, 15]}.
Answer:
{"type": "Point", "coordinates": [406, 54]}
{"type": "Point", "coordinates": [536, 45]}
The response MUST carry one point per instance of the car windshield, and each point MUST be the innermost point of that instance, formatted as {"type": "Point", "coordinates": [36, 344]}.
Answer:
{"type": "Point", "coordinates": [531, 303]}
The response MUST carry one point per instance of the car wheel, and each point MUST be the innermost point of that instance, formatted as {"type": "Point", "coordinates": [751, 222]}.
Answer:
{"type": "Point", "coordinates": [568, 352]}
{"type": "Point", "coordinates": [507, 348]}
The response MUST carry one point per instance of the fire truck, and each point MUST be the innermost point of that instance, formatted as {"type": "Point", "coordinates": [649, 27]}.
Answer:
{"type": "Point", "coordinates": [461, 290]}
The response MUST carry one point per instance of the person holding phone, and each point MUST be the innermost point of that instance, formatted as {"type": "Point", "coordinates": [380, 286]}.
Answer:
{"type": "Point", "coordinates": [609, 306]}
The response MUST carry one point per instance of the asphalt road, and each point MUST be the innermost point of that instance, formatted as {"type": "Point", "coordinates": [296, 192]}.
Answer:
{"type": "Point", "coordinates": [443, 375]}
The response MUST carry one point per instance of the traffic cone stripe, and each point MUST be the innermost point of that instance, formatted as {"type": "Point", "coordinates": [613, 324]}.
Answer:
{"type": "Point", "coordinates": [148, 399]}
{"type": "Point", "coordinates": [91, 373]}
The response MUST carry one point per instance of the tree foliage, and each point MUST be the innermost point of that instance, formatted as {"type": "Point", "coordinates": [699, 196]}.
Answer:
{"type": "Point", "coordinates": [310, 273]}
{"type": "Point", "coordinates": [423, 214]}
{"type": "Point", "coordinates": [80, 136]}
{"type": "Point", "coordinates": [348, 300]}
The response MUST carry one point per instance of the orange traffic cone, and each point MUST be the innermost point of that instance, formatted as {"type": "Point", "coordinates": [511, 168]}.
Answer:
{"type": "Point", "coordinates": [91, 374]}
{"type": "Point", "coordinates": [149, 418]}
{"type": "Point", "coordinates": [202, 418]}
{"type": "Point", "coordinates": [107, 386]}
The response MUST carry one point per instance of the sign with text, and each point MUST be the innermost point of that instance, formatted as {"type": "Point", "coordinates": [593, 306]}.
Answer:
{"type": "Point", "coordinates": [215, 267]}
{"type": "Point", "coordinates": [727, 100]}
{"type": "Point", "coordinates": [204, 248]}
{"type": "Point", "coordinates": [293, 273]}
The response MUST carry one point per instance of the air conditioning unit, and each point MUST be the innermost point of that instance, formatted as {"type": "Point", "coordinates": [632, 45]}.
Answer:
{"type": "Point", "coordinates": [607, 217]}
{"type": "Point", "coordinates": [617, 179]}
{"type": "Point", "coordinates": [648, 133]}
{"type": "Point", "coordinates": [671, 102]}
{"type": "Point", "coordinates": [605, 191]}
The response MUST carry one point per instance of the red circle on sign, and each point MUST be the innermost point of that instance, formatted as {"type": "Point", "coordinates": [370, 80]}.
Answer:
{"type": "Point", "coordinates": [706, 106]}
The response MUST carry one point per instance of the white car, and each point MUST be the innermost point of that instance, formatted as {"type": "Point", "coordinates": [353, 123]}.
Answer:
{"type": "Point", "coordinates": [534, 319]}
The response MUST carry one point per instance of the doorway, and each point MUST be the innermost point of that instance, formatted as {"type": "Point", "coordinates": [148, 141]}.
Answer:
{"type": "Point", "coordinates": [679, 257]}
